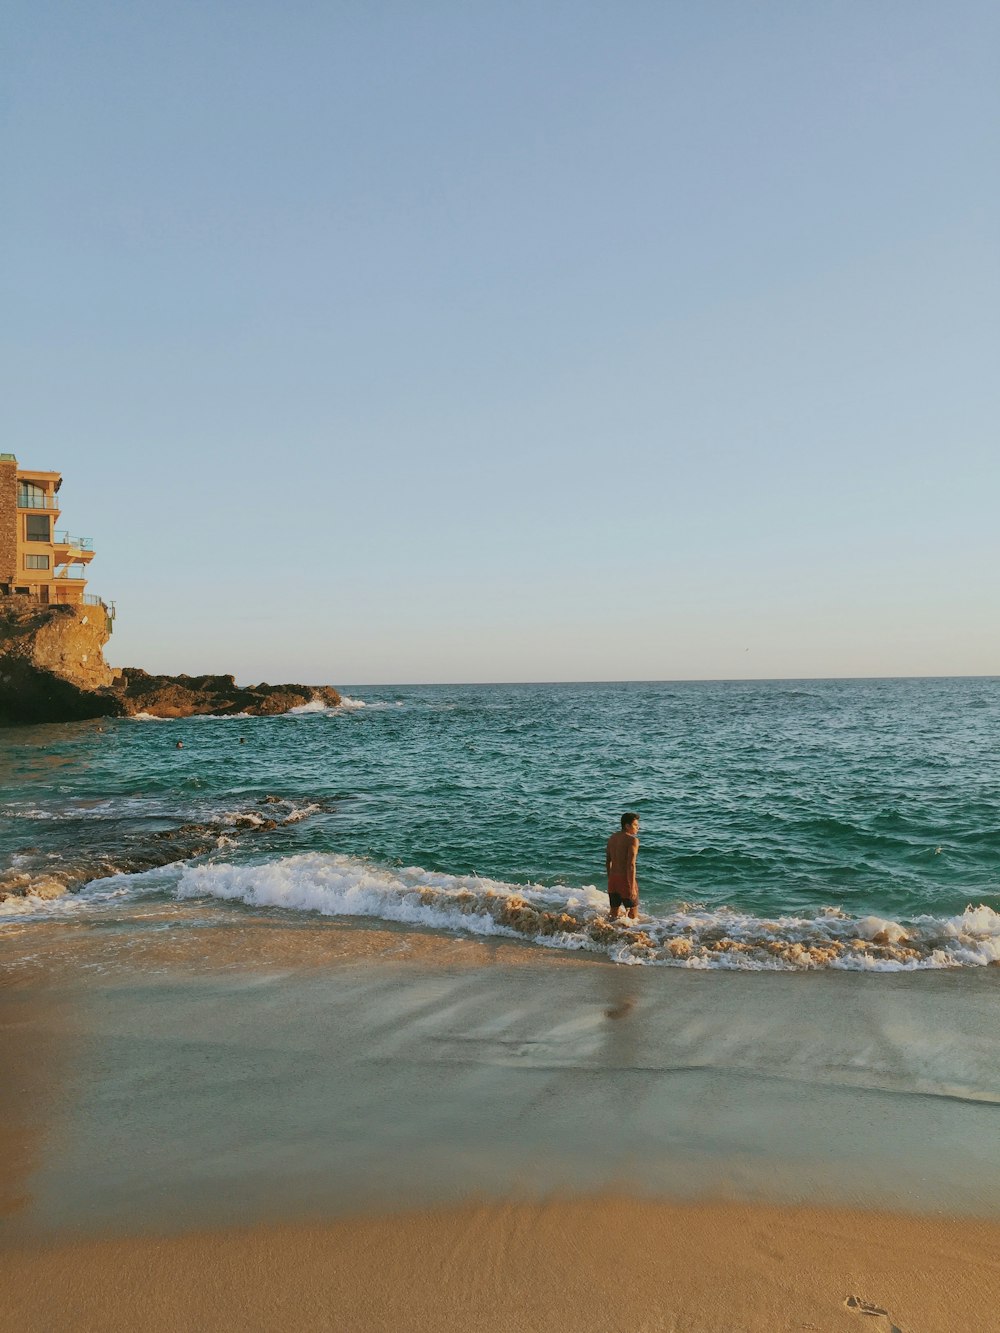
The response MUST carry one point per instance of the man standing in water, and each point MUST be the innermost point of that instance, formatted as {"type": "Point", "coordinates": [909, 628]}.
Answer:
{"type": "Point", "coordinates": [619, 860]}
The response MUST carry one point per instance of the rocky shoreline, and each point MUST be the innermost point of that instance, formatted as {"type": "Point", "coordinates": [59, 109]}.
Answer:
{"type": "Point", "coordinates": [37, 874]}
{"type": "Point", "coordinates": [191, 696]}
{"type": "Point", "coordinates": [52, 669]}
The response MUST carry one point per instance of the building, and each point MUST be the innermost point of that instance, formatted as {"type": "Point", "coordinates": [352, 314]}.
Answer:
{"type": "Point", "coordinates": [38, 560]}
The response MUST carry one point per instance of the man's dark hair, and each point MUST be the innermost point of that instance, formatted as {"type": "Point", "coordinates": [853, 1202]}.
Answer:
{"type": "Point", "coordinates": [627, 819]}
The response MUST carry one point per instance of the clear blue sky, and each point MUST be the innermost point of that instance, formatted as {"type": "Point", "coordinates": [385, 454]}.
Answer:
{"type": "Point", "coordinates": [514, 341]}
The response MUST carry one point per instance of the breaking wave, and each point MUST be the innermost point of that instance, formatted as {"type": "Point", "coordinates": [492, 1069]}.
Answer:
{"type": "Point", "coordinates": [689, 935]}
{"type": "Point", "coordinates": [34, 876]}
{"type": "Point", "coordinates": [347, 705]}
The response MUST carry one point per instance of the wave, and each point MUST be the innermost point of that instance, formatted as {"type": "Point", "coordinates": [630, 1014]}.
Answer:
{"type": "Point", "coordinates": [34, 876]}
{"type": "Point", "coordinates": [373, 705]}
{"type": "Point", "coordinates": [347, 705]}
{"type": "Point", "coordinates": [689, 935]}
{"type": "Point", "coordinates": [107, 890]}
{"type": "Point", "coordinates": [313, 706]}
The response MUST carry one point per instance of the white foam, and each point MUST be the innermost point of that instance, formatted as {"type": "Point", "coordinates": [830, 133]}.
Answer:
{"type": "Point", "coordinates": [300, 813]}
{"type": "Point", "coordinates": [97, 893]}
{"type": "Point", "coordinates": [871, 927]}
{"type": "Point", "coordinates": [688, 936]}
{"type": "Point", "coordinates": [29, 905]}
{"type": "Point", "coordinates": [347, 705]}
{"type": "Point", "coordinates": [274, 811]}
{"type": "Point", "coordinates": [313, 706]}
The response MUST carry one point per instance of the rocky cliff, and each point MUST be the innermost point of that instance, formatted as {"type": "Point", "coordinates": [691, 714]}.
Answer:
{"type": "Point", "coordinates": [52, 669]}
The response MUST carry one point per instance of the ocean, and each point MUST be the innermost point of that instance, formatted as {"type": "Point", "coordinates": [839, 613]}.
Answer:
{"type": "Point", "coordinates": [360, 958]}
{"type": "Point", "coordinates": [786, 825]}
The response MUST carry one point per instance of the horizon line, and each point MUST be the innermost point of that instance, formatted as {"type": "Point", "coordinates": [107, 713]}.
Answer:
{"type": "Point", "coordinates": [664, 680]}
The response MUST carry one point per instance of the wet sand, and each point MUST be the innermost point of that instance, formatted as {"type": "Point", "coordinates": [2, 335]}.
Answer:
{"type": "Point", "coordinates": [257, 1125]}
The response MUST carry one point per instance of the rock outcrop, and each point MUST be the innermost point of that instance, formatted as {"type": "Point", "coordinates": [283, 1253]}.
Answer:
{"type": "Point", "coordinates": [52, 669]}
{"type": "Point", "coordinates": [186, 696]}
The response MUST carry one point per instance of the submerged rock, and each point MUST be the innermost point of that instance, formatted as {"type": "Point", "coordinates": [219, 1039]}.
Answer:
{"type": "Point", "coordinates": [39, 874]}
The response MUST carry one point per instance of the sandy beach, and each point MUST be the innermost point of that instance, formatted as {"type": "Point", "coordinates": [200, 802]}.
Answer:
{"type": "Point", "coordinates": [587, 1265]}
{"type": "Point", "coordinates": [261, 1126]}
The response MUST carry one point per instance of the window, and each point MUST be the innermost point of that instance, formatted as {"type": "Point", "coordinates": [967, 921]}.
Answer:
{"type": "Point", "coordinates": [31, 496]}
{"type": "Point", "coordinates": [39, 528]}
{"type": "Point", "coordinates": [36, 562]}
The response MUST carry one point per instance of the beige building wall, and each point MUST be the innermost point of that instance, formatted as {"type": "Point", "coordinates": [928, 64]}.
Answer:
{"type": "Point", "coordinates": [37, 514]}
{"type": "Point", "coordinates": [36, 557]}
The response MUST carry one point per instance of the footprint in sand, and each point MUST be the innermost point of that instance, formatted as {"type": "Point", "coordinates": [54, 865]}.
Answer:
{"type": "Point", "coordinates": [870, 1308]}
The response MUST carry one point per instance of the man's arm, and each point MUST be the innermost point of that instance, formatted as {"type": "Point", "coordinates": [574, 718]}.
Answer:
{"type": "Point", "coordinates": [633, 853]}
{"type": "Point", "coordinates": [607, 857]}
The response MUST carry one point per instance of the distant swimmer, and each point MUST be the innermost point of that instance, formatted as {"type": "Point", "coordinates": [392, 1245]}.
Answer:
{"type": "Point", "coordinates": [619, 861]}
{"type": "Point", "coordinates": [179, 745]}
{"type": "Point", "coordinates": [243, 740]}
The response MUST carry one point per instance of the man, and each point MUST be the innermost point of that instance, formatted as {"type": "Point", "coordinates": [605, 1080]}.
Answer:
{"type": "Point", "coordinates": [619, 861]}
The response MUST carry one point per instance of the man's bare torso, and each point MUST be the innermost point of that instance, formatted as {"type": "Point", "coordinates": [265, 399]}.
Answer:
{"type": "Point", "coordinates": [623, 848]}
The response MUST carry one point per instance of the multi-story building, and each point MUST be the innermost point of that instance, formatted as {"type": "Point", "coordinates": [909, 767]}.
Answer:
{"type": "Point", "coordinates": [37, 559]}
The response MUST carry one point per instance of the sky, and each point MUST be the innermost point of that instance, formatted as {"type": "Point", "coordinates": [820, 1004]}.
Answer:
{"type": "Point", "coordinates": [484, 341]}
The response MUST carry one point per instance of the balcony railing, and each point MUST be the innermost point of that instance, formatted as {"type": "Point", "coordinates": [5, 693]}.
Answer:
{"type": "Point", "coordinates": [89, 599]}
{"type": "Point", "coordinates": [77, 543]}
{"type": "Point", "coordinates": [31, 500]}
{"type": "Point", "coordinates": [72, 572]}
{"type": "Point", "coordinates": [86, 599]}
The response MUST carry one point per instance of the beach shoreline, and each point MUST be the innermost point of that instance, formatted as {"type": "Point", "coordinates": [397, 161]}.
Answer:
{"type": "Point", "coordinates": [344, 1126]}
{"type": "Point", "coordinates": [588, 1265]}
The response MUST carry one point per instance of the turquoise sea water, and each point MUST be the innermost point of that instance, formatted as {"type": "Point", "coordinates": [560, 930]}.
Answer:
{"type": "Point", "coordinates": [785, 824]}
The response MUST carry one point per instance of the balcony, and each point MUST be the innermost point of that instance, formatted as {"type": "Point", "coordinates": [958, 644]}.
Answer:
{"type": "Point", "coordinates": [72, 548]}
{"type": "Point", "coordinates": [76, 543]}
{"type": "Point", "coordinates": [32, 500]}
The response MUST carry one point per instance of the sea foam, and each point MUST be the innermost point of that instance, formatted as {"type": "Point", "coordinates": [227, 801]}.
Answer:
{"type": "Point", "coordinates": [687, 935]}
{"type": "Point", "coordinates": [347, 705]}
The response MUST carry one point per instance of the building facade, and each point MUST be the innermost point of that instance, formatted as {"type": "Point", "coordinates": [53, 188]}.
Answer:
{"type": "Point", "coordinates": [38, 559]}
